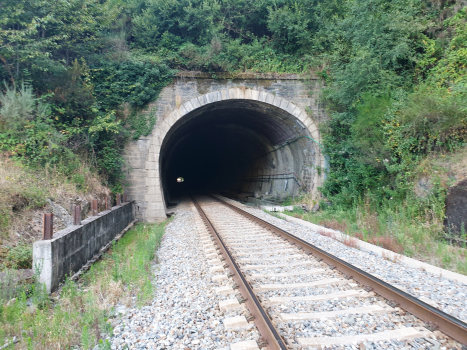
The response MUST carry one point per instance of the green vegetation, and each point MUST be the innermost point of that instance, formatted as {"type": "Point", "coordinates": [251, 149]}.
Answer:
{"type": "Point", "coordinates": [395, 230]}
{"type": "Point", "coordinates": [83, 310]}
{"type": "Point", "coordinates": [78, 73]}
{"type": "Point", "coordinates": [395, 73]}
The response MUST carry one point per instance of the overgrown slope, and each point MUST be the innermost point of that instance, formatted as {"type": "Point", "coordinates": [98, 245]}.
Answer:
{"type": "Point", "coordinates": [78, 72]}
{"type": "Point", "coordinates": [27, 194]}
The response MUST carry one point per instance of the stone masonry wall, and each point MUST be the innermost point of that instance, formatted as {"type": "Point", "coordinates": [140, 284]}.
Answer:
{"type": "Point", "coordinates": [143, 155]}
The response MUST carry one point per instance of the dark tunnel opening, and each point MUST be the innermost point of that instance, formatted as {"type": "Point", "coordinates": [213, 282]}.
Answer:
{"type": "Point", "coordinates": [230, 146]}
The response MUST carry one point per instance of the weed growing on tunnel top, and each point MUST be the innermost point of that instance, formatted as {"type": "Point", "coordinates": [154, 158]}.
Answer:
{"type": "Point", "coordinates": [80, 314]}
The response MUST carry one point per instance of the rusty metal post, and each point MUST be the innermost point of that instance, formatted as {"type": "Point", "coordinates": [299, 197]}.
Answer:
{"type": "Point", "coordinates": [94, 207]}
{"type": "Point", "coordinates": [119, 202]}
{"type": "Point", "coordinates": [108, 205]}
{"type": "Point", "coordinates": [77, 215]}
{"type": "Point", "coordinates": [125, 199]}
{"type": "Point", "coordinates": [48, 227]}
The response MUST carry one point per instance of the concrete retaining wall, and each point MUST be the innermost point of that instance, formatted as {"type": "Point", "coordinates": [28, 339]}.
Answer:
{"type": "Point", "coordinates": [71, 248]}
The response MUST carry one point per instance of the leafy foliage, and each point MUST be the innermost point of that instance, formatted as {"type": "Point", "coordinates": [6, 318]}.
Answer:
{"type": "Point", "coordinates": [395, 96]}
{"type": "Point", "coordinates": [394, 71]}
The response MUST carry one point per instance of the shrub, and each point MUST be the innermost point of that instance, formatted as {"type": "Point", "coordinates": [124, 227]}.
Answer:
{"type": "Point", "coordinates": [19, 257]}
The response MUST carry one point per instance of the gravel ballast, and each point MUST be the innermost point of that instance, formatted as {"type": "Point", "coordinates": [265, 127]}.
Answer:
{"type": "Point", "coordinates": [445, 294]}
{"type": "Point", "coordinates": [185, 311]}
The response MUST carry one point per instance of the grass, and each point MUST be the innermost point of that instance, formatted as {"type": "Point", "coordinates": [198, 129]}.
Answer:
{"type": "Point", "coordinates": [392, 229]}
{"type": "Point", "coordinates": [24, 192]}
{"type": "Point", "coordinates": [79, 314]}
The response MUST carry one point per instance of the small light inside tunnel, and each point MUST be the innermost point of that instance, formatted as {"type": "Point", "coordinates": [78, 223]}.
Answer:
{"type": "Point", "coordinates": [180, 179]}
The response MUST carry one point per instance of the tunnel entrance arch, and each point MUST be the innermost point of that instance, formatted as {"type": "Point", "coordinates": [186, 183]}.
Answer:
{"type": "Point", "coordinates": [255, 132]}
{"type": "Point", "coordinates": [257, 144]}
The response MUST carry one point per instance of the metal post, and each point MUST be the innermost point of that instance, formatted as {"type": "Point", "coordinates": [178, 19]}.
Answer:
{"type": "Point", "coordinates": [125, 199]}
{"type": "Point", "coordinates": [48, 227]}
{"type": "Point", "coordinates": [94, 207]}
{"type": "Point", "coordinates": [77, 215]}
{"type": "Point", "coordinates": [119, 202]}
{"type": "Point", "coordinates": [108, 205]}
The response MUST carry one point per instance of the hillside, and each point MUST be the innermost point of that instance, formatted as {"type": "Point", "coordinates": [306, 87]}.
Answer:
{"type": "Point", "coordinates": [27, 194]}
{"type": "Point", "coordinates": [77, 74]}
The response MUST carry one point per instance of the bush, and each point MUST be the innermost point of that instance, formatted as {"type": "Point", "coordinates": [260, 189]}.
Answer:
{"type": "Point", "coordinates": [19, 257]}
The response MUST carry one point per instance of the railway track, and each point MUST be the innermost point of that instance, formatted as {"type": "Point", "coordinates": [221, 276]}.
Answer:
{"type": "Point", "coordinates": [302, 297]}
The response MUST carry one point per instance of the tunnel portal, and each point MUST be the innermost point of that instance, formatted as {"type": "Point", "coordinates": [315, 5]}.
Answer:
{"type": "Point", "coordinates": [238, 147]}
{"type": "Point", "coordinates": [245, 139]}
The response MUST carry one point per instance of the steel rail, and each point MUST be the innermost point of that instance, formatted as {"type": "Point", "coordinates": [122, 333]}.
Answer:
{"type": "Point", "coordinates": [267, 330]}
{"type": "Point", "coordinates": [436, 318]}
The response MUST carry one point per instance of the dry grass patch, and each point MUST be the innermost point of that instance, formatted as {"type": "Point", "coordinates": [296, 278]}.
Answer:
{"type": "Point", "coordinates": [334, 225]}
{"type": "Point", "coordinates": [25, 193]}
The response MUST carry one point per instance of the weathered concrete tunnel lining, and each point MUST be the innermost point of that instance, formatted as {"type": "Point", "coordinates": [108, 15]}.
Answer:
{"type": "Point", "coordinates": [253, 136]}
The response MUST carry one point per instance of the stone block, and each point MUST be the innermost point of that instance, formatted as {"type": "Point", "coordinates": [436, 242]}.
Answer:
{"type": "Point", "coordinates": [164, 128]}
{"type": "Point", "coordinates": [153, 198]}
{"type": "Point", "coordinates": [312, 128]}
{"type": "Point", "coordinates": [213, 97]}
{"type": "Point", "coordinates": [277, 101]}
{"type": "Point", "coordinates": [291, 107]}
{"type": "Point", "coordinates": [188, 106]}
{"type": "Point", "coordinates": [269, 98]}
{"type": "Point", "coordinates": [240, 93]}
{"type": "Point", "coordinates": [262, 96]}
{"type": "Point", "coordinates": [156, 142]}
{"type": "Point", "coordinates": [152, 165]}
{"type": "Point", "coordinates": [315, 135]}
{"type": "Point", "coordinates": [177, 115]}
{"type": "Point", "coordinates": [217, 96]}
{"type": "Point", "coordinates": [170, 120]}
{"type": "Point", "coordinates": [254, 94]}
{"type": "Point", "coordinates": [202, 100]}
{"type": "Point", "coordinates": [232, 93]}
{"type": "Point", "coordinates": [152, 186]}
{"type": "Point", "coordinates": [154, 215]}
{"type": "Point", "coordinates": [151, 173]}
{"type": "Point", "coordinates": [248, 94]}
{"type": "Point", "coordinates": [195, 103]}
{"type": "Point", "coordinates": [156, 205]}
{"type": "Point", "coordinates": [225, 94]}
{"type": "Point", "coordinates": [209, 98]}
{"type": "Point", "coordinates": [308, 123]}
{"type": "Point", "coordinates": [284, 104]}
{"type": "Point", "coordinates": [43, 262]}
{"type": "Point", "coordinates": [302, 117]}
{"type": "Point", "coordinates": [183, 110]}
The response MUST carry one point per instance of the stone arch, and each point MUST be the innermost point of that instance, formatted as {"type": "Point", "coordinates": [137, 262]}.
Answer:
{"type": "Point", "coordinates": [154, 195]}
